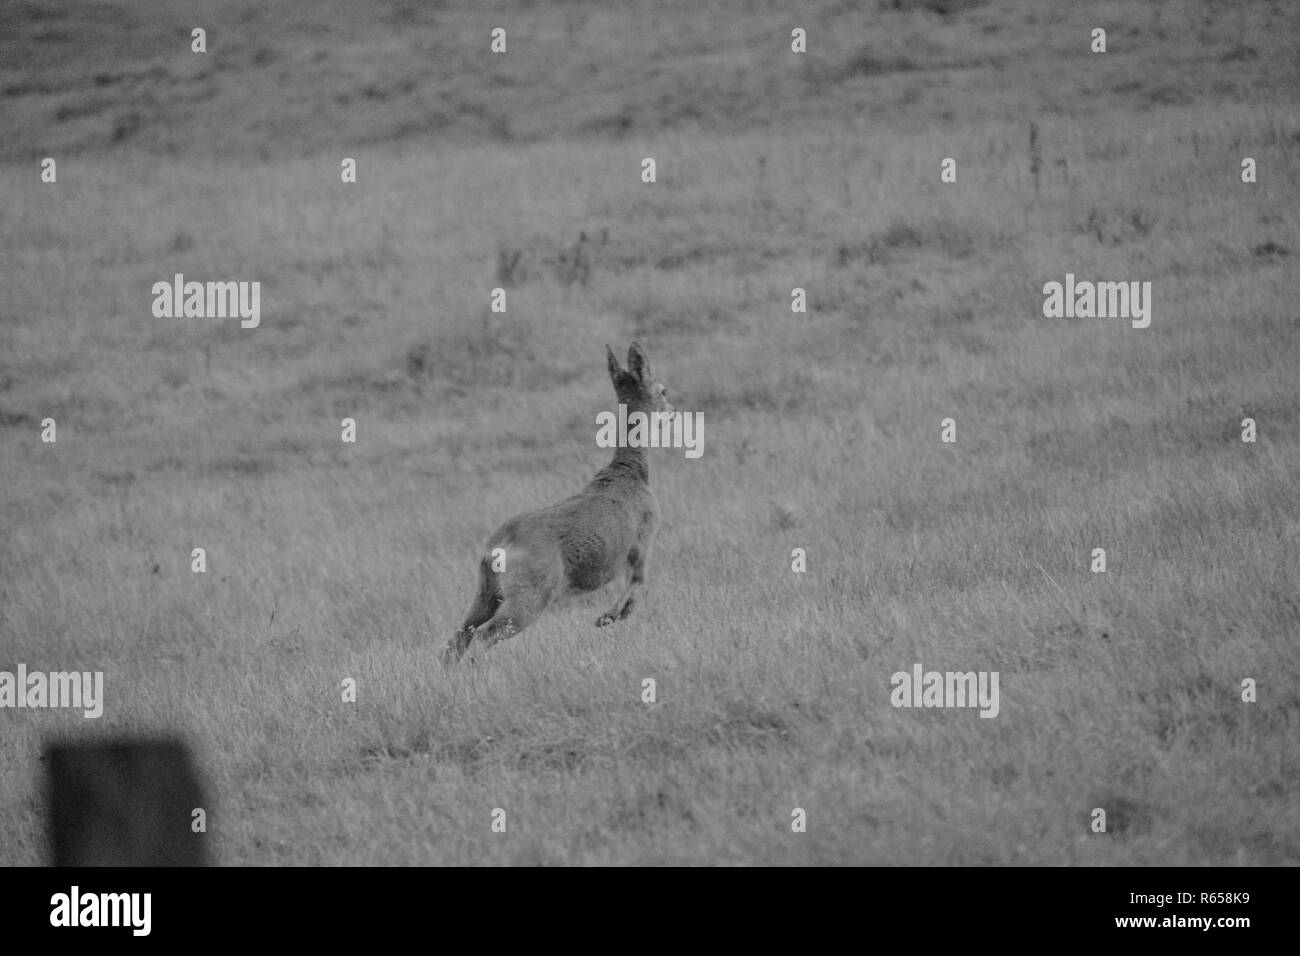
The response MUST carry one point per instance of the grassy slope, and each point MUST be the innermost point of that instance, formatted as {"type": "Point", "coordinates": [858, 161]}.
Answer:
{"type": "Point", "coordinates": [327, 561]}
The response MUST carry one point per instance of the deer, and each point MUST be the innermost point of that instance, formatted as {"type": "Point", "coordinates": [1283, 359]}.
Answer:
{"type": "Point", "coordinates": [601, 535]}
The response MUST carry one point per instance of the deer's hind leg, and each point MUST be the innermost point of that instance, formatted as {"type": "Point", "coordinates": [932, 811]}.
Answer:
{"type": "Point", "coordinates": [486, 602]}
{"type": "Point", "coordinates": [525, 594]}
{"type": "Point", "coordinates": [514, 614]}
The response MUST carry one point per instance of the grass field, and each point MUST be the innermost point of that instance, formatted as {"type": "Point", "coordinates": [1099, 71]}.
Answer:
{"type": "Point", "coordinates": [329, 561]}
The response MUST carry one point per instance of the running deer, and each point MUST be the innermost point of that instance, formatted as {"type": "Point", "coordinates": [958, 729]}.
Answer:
{"type": "Point", "coordinates": [600, 535]}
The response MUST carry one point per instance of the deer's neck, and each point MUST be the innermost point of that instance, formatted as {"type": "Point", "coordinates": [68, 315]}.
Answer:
{"type": "Point", "coordinates": [630, 461]}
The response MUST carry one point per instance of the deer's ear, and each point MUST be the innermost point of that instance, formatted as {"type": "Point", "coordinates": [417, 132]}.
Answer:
{"type": "Point", "coordinates": [614, 368]}
{"type": "Point", "coordinates": [638, 364]}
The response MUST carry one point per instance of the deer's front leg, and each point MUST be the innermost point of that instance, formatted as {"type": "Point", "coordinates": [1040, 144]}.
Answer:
{"type": "Point", "coordinates": [623, 606]}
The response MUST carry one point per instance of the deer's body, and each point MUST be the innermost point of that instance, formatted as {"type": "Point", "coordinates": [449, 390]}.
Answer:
{"type": "Point", "coordinates": [600, 535]}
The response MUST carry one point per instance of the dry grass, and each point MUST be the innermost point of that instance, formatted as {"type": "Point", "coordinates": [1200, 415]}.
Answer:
{"type": "Point", "coordinates": [329, 561]}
